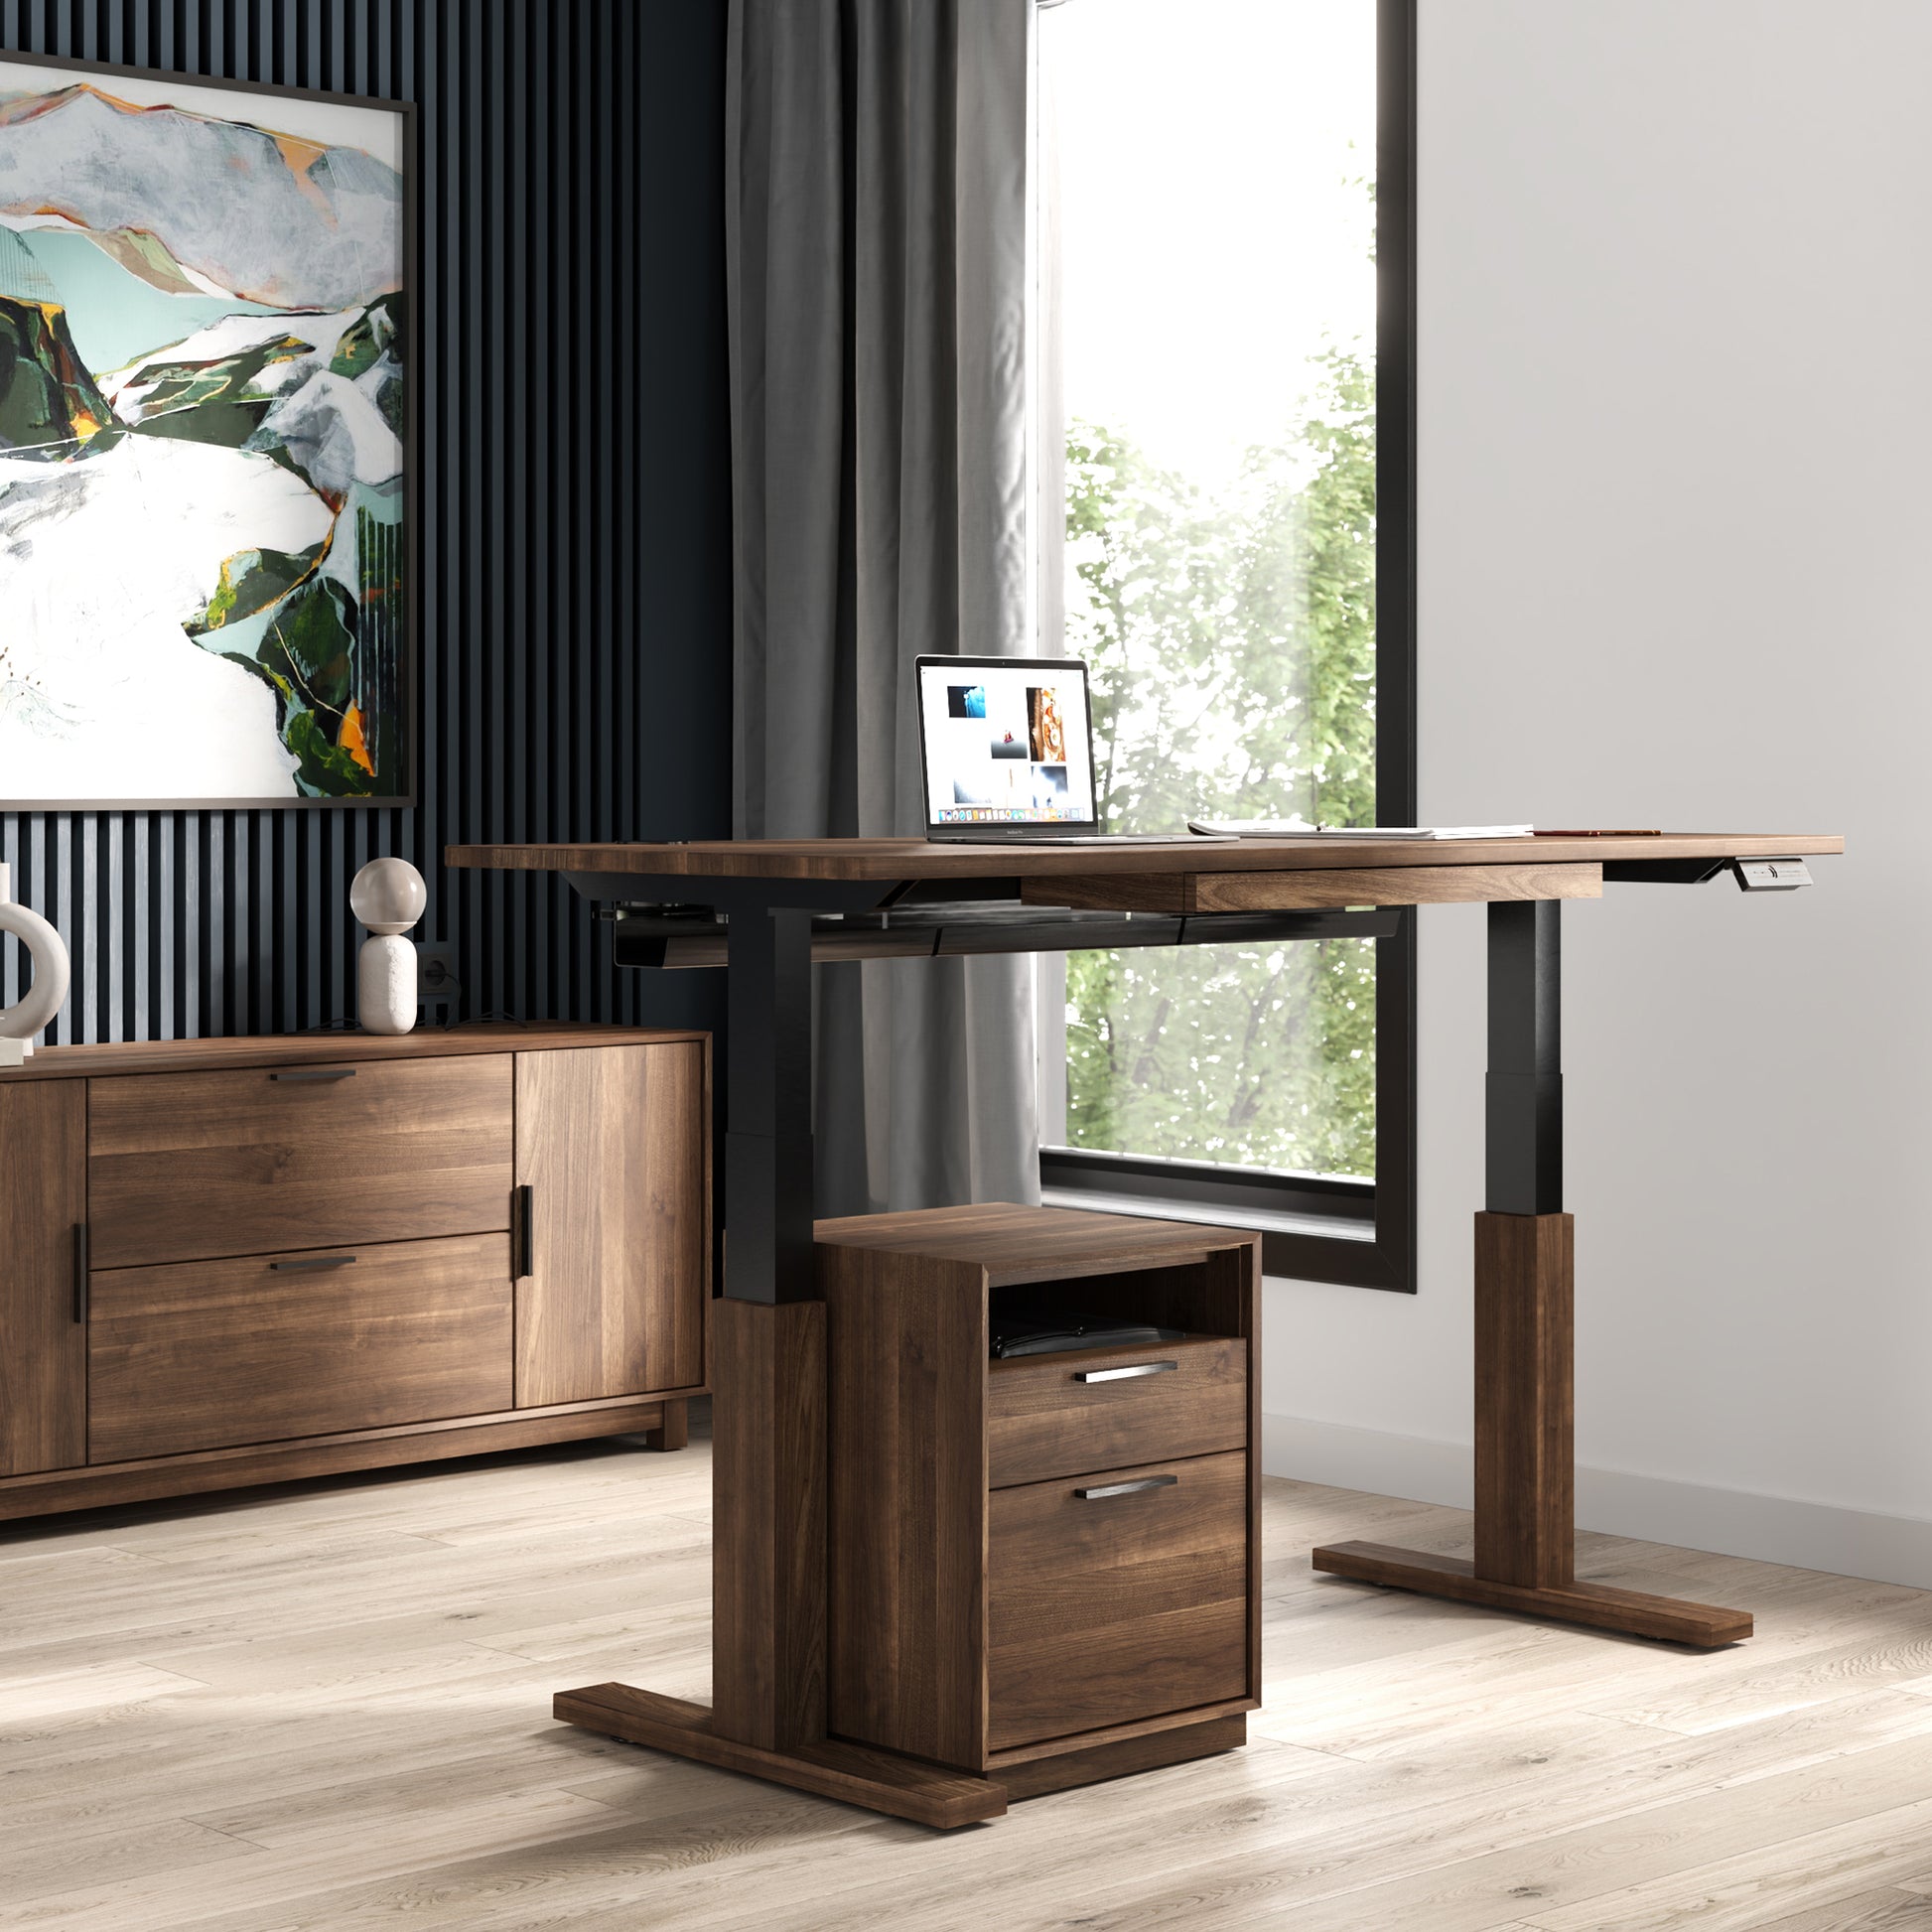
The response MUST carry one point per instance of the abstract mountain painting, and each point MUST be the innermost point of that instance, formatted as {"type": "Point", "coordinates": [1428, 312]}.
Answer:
{"type": "Point", "coordinates": [203, 369]}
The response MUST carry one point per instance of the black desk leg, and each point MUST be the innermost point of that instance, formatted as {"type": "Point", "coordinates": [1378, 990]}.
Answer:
{"type": "Point", "coordinates": [768, 1113]}
{"type": "Point", "coordinates": [1523, 1097]}
{"type": "Point", "coordinates": [768, 1357]}
{"type": "Point", "coordinates": [1525, 1453]}
{"type": "Point", "coordinates": [1525, 1328]}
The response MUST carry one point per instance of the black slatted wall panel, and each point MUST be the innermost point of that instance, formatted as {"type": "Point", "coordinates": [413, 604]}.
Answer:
{"type": "Point", "coordinates": [571, 495]}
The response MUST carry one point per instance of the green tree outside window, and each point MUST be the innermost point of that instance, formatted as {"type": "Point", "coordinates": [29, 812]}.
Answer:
{"type": "Point", "coordinates": [1232, 647]}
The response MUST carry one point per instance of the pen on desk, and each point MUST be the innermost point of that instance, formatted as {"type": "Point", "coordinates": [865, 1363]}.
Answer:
{"type": "Point", "coordinates": [1635, 832]}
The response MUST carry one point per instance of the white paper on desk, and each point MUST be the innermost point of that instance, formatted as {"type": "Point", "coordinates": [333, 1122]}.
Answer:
{"type": "Point", "coordinates": [1287, 828]}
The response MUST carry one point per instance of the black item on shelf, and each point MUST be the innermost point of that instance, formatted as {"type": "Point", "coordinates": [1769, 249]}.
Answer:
{"type": "Point", "coordinates": [1052, 1335]}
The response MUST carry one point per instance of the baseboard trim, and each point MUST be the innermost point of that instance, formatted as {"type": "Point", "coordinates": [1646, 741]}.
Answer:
{"type": "Point", "coordinates": [1695, 1516]}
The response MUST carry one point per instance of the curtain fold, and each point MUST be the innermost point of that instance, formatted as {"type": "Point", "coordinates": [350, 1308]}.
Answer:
{"type": "Point", "coordinates": [876, 201]}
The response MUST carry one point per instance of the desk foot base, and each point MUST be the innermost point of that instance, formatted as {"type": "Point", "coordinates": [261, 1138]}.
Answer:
{"type": "Point", "coordinates": [1599, 1605]}
{"type": "Point", "coordinates": [902, 1787]}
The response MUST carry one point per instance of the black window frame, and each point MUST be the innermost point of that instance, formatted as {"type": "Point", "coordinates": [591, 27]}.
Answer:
{"type": "Point", "coordinates": [1378, 1247]}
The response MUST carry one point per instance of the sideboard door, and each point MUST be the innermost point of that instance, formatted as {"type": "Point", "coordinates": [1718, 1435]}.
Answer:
{"type": "Point", "coordinates": [611, 1244]}
{"type": "Point", "coordinates": [43, 1337]}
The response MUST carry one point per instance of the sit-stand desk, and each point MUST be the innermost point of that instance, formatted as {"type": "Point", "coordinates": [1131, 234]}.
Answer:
{"type": "Point", "coordinates": [771, 908]}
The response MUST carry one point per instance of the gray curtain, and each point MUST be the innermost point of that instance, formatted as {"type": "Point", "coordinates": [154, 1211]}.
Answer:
{"type": "Point", "coordinates": [875, 207]}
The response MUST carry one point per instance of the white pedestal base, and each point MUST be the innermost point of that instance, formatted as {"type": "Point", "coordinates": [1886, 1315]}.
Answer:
{"type": "Point", "coordinates": [385, 984]}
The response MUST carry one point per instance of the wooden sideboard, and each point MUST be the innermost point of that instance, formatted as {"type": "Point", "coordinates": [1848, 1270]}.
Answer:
{"type": "Point", "coordinates": [239, 1261]}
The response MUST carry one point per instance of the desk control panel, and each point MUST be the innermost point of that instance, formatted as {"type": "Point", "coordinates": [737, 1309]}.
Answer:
{"type": "Point", "coordinates": [1771, 875]}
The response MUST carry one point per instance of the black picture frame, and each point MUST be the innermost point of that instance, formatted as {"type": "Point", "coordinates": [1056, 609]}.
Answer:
{"type": "Point", "coordinates": [409, 695]}
{"type": "Point", "coordinates": [1374, 1243]}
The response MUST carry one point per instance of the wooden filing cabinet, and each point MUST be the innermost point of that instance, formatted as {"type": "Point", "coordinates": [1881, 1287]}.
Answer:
{"type": "Point", "coordinates": [1042, 1571]}
{"type": "Point", "coordinates": [239, 1261]}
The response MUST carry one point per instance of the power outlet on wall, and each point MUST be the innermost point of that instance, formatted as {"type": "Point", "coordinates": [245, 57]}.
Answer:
{"type": "Point", "coordinates": [436, 981]}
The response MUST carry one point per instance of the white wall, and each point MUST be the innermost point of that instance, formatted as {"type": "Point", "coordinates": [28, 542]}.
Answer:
{"type": "Point", "coordinates": [1676, 570]}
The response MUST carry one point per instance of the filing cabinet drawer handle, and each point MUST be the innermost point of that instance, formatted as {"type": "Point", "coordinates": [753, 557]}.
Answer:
{"type": "Point", "coordinates": [1124, 1374]}
{"type": "Point", "coordinates": [316, 1073]}
{"type": "Point", "coordinates": [1125, 1489]}
{"type": "Point", "coordinates": [319, 1261]}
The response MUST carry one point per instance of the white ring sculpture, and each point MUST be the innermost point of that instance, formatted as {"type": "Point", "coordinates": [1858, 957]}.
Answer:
{"type": "Point", "coordinates": [35, 1009]}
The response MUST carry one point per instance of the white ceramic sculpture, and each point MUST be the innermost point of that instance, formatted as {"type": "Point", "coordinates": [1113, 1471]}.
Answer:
{"type": "Point", "coordinates": [388, 896]}
{"type": "Point", "coordinates": [31, 1014]}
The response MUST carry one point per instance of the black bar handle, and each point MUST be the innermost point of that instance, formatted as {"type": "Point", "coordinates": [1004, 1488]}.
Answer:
{"type": "Point", "coordinates": [80, 1271]}
{"type": "Point", "coordinates": [316, 1073]}
{"type": "Point", "coordinates": [524, 1221]}
{"type": "Point", "coordinates": [317, 1261]}
{"type": "Point", "coordinates": [1125, 1489]}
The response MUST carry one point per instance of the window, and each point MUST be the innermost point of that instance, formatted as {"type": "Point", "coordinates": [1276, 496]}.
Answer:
{"type": "Point", "coordinates": [1225, 513]}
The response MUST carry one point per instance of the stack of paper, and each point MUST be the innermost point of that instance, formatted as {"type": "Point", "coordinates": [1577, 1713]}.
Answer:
{"type": "Point", "coordinates": [1287, 828]}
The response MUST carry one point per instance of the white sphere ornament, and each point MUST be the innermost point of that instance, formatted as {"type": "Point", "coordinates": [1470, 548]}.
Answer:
{"type": "Point", "coordinates": [388, 896]}
{"type": "Point", "coordinates": [34, 1011]}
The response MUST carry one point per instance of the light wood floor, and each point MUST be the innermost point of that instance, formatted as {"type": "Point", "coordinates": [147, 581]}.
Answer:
{"type": "Point", "coordinates": [324, 1706]}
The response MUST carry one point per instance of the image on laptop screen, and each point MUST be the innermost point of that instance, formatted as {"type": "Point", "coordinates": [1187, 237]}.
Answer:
{"type": "Point", "coordinates": [1007, 743]}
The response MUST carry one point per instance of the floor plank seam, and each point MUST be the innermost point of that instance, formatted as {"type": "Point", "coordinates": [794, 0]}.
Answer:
{"type": "Point", "coordinates": [201, 1825]}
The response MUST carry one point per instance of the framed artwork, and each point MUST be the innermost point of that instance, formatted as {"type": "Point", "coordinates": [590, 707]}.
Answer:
{"type": "Point", "coordinates": [207, 567]}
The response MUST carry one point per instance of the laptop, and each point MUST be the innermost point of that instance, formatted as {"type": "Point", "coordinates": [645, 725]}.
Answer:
{"type": "Point", "coordinates": [1006, 749]}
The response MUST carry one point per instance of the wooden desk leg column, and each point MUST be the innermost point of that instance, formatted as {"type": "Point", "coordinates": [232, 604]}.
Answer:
{"type": "Point", "coordinates": [1525, 1328]}
{"type": "Point", "coordinates": [1526, 1480]}
{"type": "Point", "coordinates": [767, 1489]}
{"type": "Point", "coordinates": [768, 1477]}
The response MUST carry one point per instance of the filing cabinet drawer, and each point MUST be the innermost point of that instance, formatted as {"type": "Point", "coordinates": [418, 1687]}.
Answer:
{"type": "Point", "coordinates": [1097, 1409]}
{"type": "Point", "coordinates": [188, 1167]}
{"type": "Point", "coordinates": [202, 1355]}
{"type": "Point", "coordinates": [1116, 1597]}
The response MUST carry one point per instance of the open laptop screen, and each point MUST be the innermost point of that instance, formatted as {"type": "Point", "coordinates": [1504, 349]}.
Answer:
{"type": "Point", "coordinates": [1005, 740]}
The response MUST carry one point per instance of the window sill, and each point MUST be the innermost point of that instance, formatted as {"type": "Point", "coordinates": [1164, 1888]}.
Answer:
{"type": "Point", "coordinates": [1313, 1227]}
{"type": "Point", "coordinates": [1264, 1220]}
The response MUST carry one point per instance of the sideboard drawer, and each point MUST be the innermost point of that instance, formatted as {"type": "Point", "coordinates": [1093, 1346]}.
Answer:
{"type": "Point", "coordinates": [206, 1354]}
{"type": "Point", "coordinates": [1058, 1414]}
{"type": "Point", "coordinates": [185, 1166]}
{"type": "Point", "coordinates": [1116, 1597]}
